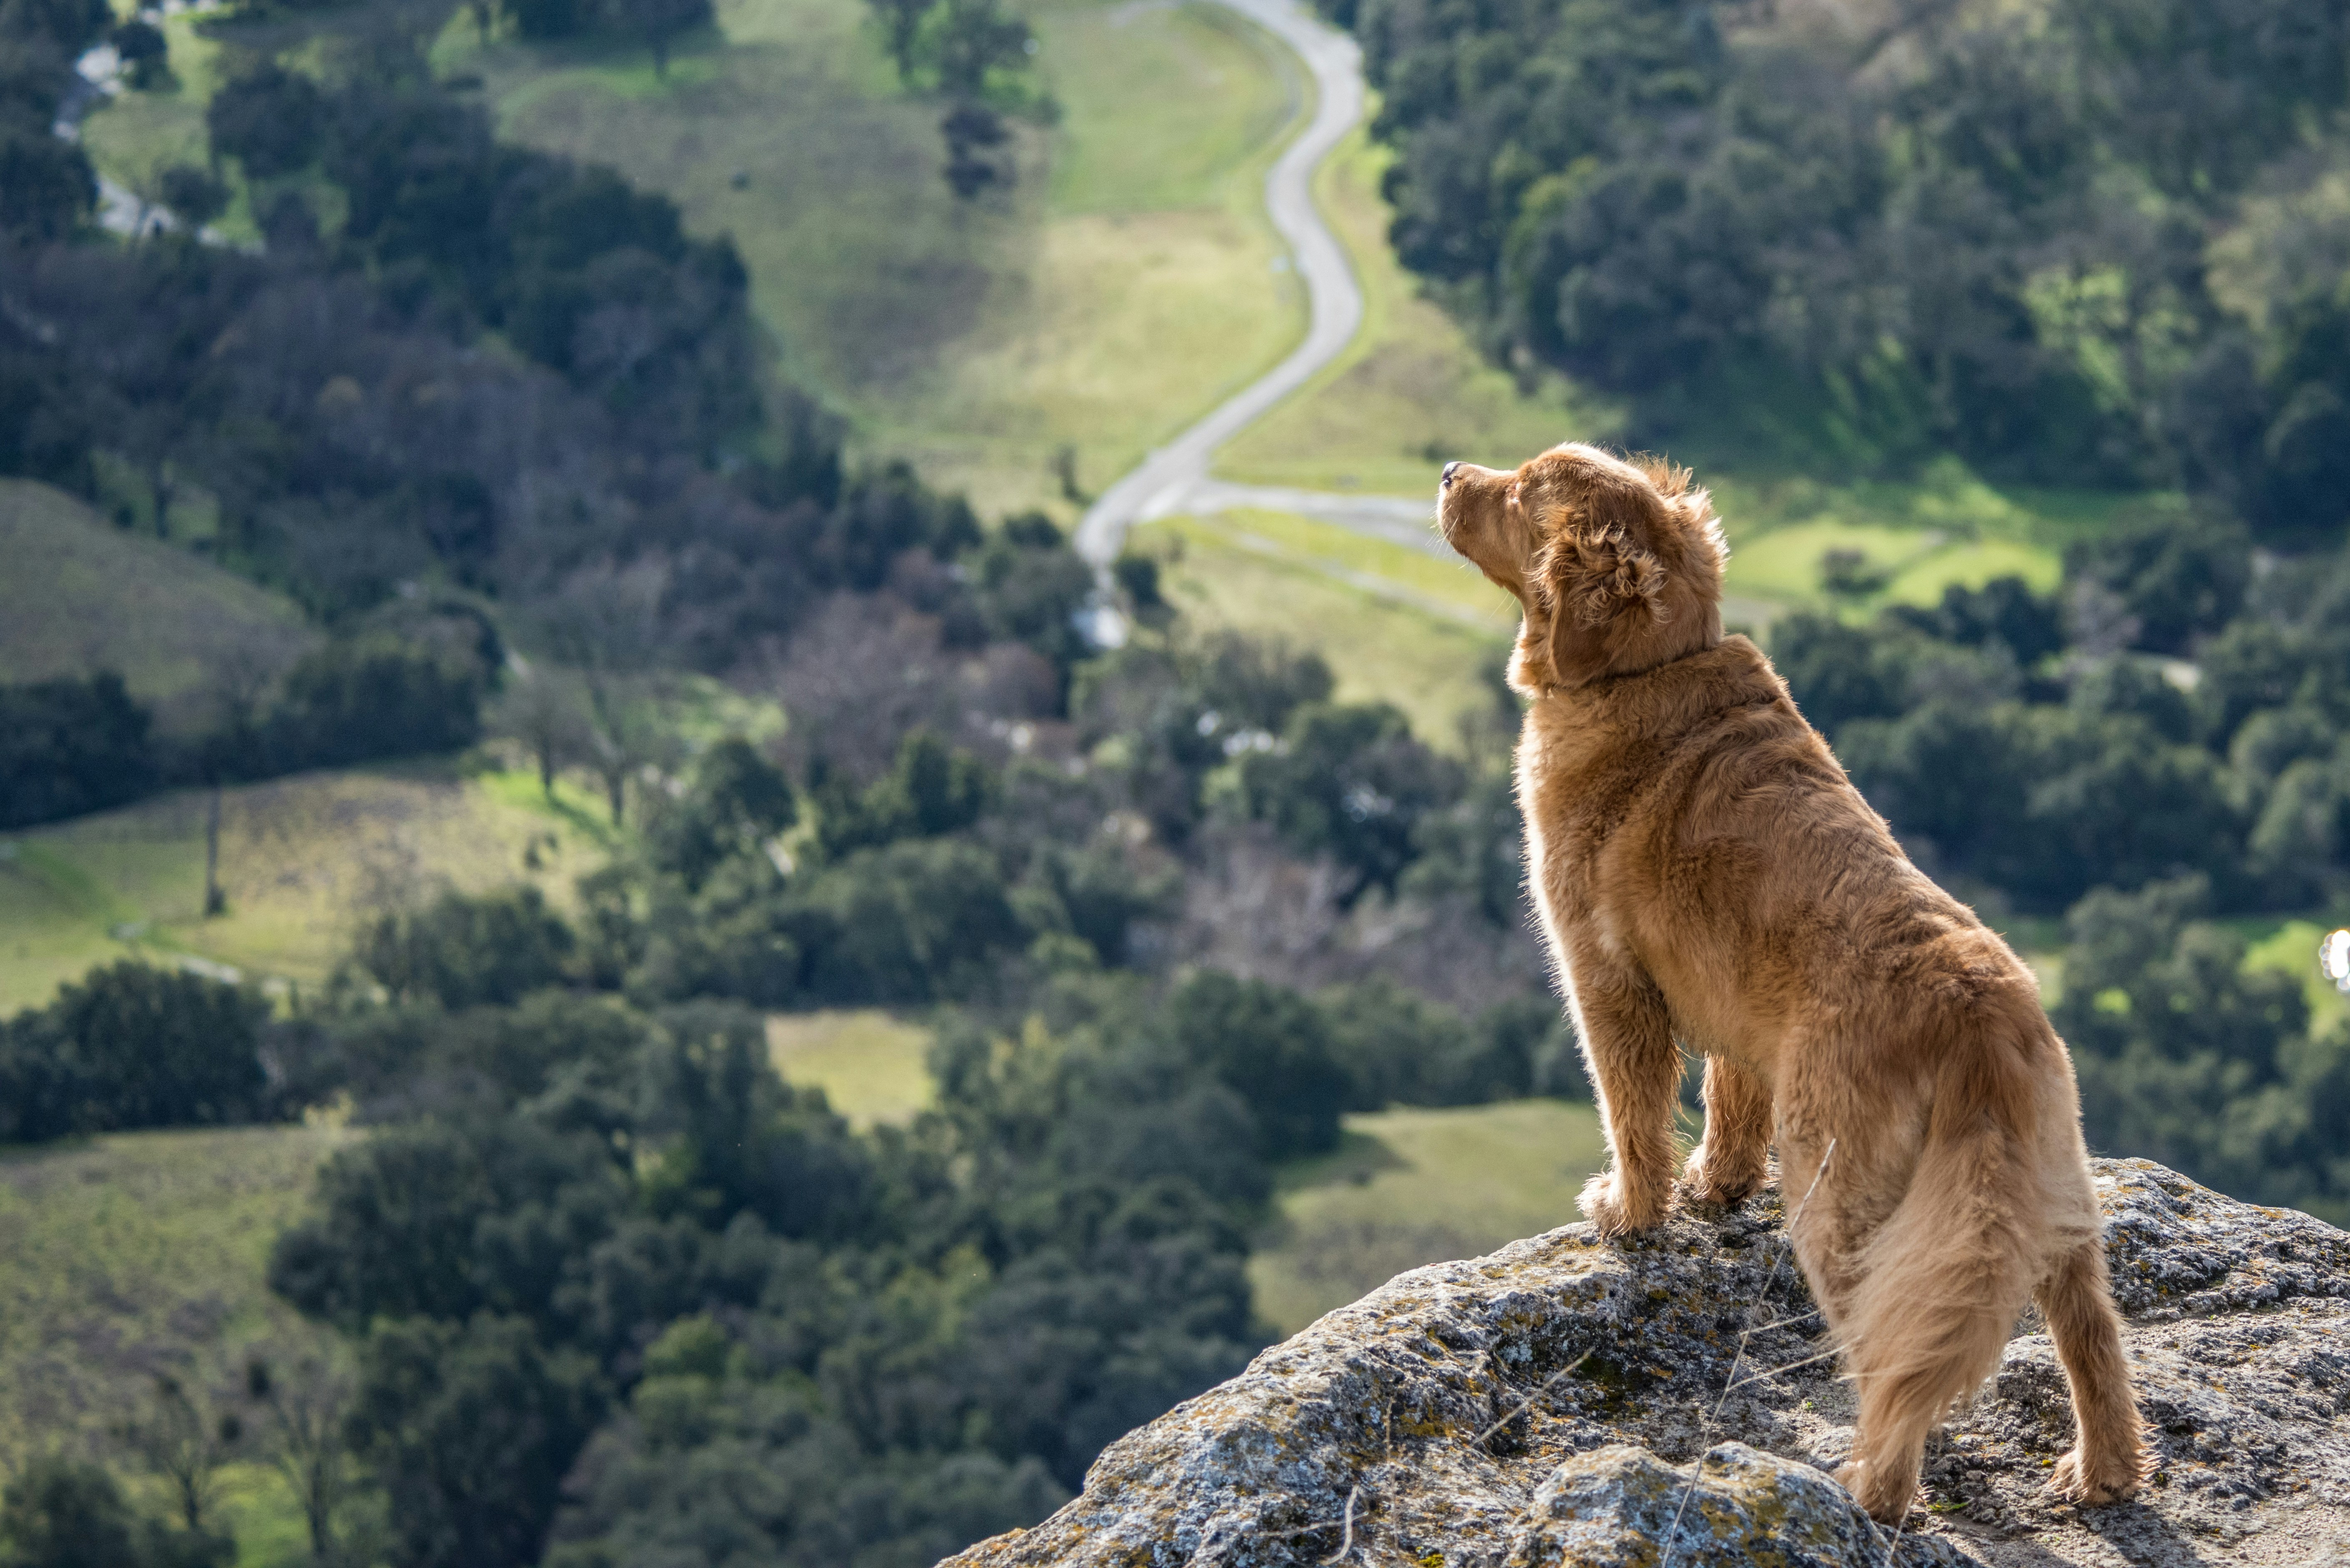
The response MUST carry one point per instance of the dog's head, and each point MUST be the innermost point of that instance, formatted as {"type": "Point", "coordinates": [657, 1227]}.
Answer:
{"type": "Point", "coordinates": [1617, 564]}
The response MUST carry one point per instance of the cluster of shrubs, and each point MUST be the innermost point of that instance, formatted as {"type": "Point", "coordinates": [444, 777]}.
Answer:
{"type": "Point", "coordinates": [132, 1046]}
{"type": "Point", "coordinates": [69, 746]}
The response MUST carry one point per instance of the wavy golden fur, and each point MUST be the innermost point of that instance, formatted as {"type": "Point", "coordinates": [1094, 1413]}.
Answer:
{"type": "Point", "coordinates": [1707, 877]}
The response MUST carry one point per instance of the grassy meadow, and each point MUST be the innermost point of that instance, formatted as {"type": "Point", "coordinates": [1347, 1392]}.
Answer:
{"type": "Point", "coordinates": [141, 1253]}
{"type": "Point", "coordinates": [81, 595]}
{"type": "Point", "coordinates": [871, 1065]}
{"type": "Point", "coordinates": [301, 858]}
{"type": "Point", "coordinates": [1409, 1187]}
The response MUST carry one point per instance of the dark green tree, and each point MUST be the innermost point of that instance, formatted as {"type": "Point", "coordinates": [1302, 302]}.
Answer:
{"type": "Point", "coordinates": [1270, 1047]}
{"type": "Point", "coordinates": [461, 951]}
{"type": "Point", "coordinates": [156, 1047]}
{"type": "Point", "coordinates": [1349, 781]}
{"type": "Point", "coordinates": [267, 118]}
{"type": "Point", "coordinates": [470, 1429]}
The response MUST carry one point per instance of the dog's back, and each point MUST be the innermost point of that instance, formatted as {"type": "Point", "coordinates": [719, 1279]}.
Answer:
{"type": "Point", "coordinates": [1708, 827]}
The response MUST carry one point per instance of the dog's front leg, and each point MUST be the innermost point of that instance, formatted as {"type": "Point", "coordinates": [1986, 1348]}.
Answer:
{"type": "Point", "coordinates": [1628, 1045]}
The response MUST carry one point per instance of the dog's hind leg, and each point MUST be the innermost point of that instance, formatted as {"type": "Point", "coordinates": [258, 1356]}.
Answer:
{"type": "Point", "coordinates": [1628, 1044]}
{"type": "Point", "coordinates": [1735, 1156]}
{"type": "Point", "coordinates": [2108, 1457]}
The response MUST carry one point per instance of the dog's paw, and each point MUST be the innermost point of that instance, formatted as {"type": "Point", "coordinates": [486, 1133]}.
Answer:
{"type": "Point", "coordinates": [1606, 1204]}
{"type": "Point", "coordinates": [1727, 1184]}
{"type": "Point", "coordinates": [1885, 1499]}
{"type": "Point", "coordinates": [2083, 1479]}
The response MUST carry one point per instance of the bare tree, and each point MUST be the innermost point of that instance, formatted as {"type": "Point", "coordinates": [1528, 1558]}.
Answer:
{"type": "Point", "coordinates": [186, 1440]}
{"type": "Point", "coordinates": [606, 623]}
{"type": "Point", "coordinates": [237, 680]}
{"type": "Point", "coordinates": [302, 1436]}
{"type": "Point", "coordinates": [861, 671]}
{"type": "Point", "coordinates": [543, 710]}
{"type": "Point", "coordinates": [215, 898]}
{"type": "Point", "coordinates": [626, 733]}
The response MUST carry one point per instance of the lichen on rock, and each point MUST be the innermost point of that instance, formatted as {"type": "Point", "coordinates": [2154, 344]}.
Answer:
{"type": "Point", "coordinates": [1566, 1401]}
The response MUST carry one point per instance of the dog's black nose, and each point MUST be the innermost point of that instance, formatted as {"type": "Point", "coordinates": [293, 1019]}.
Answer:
{"type": "Point", "coordinates": [1447, 471]}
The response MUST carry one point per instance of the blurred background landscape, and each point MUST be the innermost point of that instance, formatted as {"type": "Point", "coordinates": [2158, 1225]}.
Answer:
{"type": "Point", "coordinates": [613, 950]}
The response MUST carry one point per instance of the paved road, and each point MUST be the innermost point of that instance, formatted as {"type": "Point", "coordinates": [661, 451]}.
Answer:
{"type": "Point", "coordinates": [1174, 478]}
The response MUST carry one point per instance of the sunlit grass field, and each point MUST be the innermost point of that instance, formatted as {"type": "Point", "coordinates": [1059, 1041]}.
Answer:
{"type": "Point", "coordinates": [1396, 625]}
{"type": "Point", "coordinates": [303, 859]}
{"type": "Point", "coordinates": [871, 1065]}
{"type": "Point", "coordinates": [1411, 1187]}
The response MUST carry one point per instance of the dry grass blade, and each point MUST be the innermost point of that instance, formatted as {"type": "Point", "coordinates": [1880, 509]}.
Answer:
{"type": "Point", "coordinates": [1346, 1539]}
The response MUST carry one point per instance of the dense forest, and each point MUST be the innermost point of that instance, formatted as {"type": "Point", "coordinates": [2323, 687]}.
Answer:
{"type": "Point", "coordinates": [2091, 241]}
{"type": "Point", "coordinates": [606, 1289]}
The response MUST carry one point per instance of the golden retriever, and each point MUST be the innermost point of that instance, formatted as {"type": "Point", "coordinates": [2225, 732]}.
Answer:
{"type": "Point", "coordinates": [1706, 875]}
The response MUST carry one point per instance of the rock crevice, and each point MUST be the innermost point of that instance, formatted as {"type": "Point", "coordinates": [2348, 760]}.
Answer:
{"type": "Point", "coordinates": [1570, 1401]}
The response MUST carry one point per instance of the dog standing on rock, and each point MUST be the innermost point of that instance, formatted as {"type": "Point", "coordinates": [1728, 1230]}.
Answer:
{"type": "Point", "coordinates": [1706, 874]}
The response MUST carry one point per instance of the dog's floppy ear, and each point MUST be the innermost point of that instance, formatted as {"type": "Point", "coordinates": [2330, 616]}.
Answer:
{"type": "Point", "coordinates": [1597, 569]}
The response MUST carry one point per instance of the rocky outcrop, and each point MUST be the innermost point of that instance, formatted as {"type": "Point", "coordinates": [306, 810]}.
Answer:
{"type": "Point", "coordinates": [1549, 1405]}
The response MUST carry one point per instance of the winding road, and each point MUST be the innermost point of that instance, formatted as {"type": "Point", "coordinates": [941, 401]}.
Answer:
{"type": "Point", "coordinates": [1174, 478]}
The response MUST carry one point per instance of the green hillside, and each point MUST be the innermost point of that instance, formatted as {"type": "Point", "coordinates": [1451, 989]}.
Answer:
{"type": "Point", "coordinates": [1121, 289]}
{"type": "Point", "coordinates": [81, 594]}
{"type": "Point", "coordinates": [302, 860]}
{"type": "Point", "coordinates": [1411, 1187]}
{"type": "Point", "coordinates": [136, 1253]}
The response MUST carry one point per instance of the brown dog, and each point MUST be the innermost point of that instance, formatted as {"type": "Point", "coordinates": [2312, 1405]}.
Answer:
{"type": "Point", "coordinates": [1707, 874]}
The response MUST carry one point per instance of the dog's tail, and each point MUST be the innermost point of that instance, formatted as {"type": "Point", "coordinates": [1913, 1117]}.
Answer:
{"type": "Point", "coordinates": [1943, 1282]}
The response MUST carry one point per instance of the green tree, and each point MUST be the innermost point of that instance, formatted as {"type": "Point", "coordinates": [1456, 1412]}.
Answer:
{"type": "Point", "coordinates": [1270, 1047]}
{"type": "Point", "coordinates": [142, 47]}
{"type": "Point", "coordinates": [157, 1047]}
{"type": "Point", "coordinates": [738, 799]}
{"type": "Point", "coordinates": [931, 789]}
{"type": "Point", "coordinates": [267, 118]}
{"type": "Point", "coordinates": [901, 28]}
{"type": "Point", "coordinates": [975, 38]}
{"type": "Point", "coordinates": [463, 952]}
{"type": "Point", "coordinates": [1349, 781]}
{"type": "Point", "coordinates": [47, 186]}
{"type": "Point", "coordinates": [64, 1514]}
{"type": "Point", "coordinates": [471, 1428]}
{"type": "Point", "coordinates": [195, 196]}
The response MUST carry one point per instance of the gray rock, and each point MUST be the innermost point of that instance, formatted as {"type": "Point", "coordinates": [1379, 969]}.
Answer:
{"type": "Point", "coordinates": [1669, 1402]}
